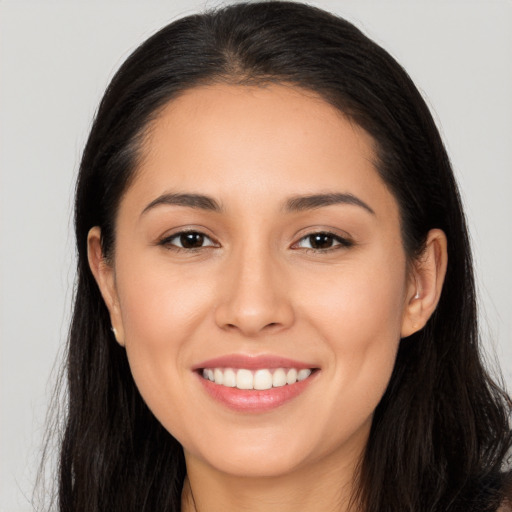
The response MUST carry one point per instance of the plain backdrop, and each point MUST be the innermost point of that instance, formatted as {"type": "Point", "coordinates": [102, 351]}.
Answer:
{"type": "Point", "coordinates": [56, 58]}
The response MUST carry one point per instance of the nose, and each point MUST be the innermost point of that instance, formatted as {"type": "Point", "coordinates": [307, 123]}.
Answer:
{"type": "Point", "coordinates": [255, 296]}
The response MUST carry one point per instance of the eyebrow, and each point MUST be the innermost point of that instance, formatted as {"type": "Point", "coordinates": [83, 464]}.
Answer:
{"type": "Point", "coordinates": [311, 202]}
{"type": "Point", "coordinates": [198, 201]}
{"type": "Point", "coordinates": [294, 204]}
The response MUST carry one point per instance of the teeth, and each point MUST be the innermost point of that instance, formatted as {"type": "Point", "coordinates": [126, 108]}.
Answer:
{"type": "Point", "coordinates": [244, 379]}
{"type": "Point", "coordinates": [258, 379]}
{"type": "Point", "coordinates": [262, 379]}
{"type": "Point", "coordinates": [218, 376]}
{"type": "Point", "coordinates": [303, 374]}
{"type": "Point", "coordinates": [279, 378]}
{"type": "Point", "coordinates": [229, 378]}
{"type": "Point", "coordinates": [291, 376]}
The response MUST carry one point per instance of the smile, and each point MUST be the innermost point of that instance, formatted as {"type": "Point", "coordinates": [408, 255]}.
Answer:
{"type": "Point", "coordinates": [260, 379]}
{"type": "Point", "coordinates": [255, 383]}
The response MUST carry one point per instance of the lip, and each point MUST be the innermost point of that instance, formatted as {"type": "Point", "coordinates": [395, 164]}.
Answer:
{"type": "Point", "coordinates": [253, 362]}
{"type": "Point", "coordinates": [254, 401]}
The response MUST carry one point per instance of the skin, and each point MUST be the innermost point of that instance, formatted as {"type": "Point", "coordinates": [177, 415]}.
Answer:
{"type": "Point", "coordinates": [256, 287]}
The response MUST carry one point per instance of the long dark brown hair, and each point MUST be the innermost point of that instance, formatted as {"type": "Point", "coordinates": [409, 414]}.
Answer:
{"type": "Point", "coordinates": [441, 433]}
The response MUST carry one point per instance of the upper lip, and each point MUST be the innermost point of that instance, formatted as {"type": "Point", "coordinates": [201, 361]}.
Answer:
{"type": "Point", "coordinates": [252, 362]}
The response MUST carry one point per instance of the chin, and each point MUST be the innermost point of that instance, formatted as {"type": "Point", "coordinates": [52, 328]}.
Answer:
{"type": "Point", "coordinates": [261, 454]}
{"type": "Point", "coordinates": [257, 466]}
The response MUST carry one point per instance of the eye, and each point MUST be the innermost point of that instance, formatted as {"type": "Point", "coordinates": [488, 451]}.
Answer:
{"type": "Point", "coordinates": [188, 240]}
{"type": "Point", "coordinates": [322, 241]}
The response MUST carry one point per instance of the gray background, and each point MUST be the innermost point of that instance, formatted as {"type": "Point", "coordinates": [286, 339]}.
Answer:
{"type": "Point", "coordinates": [56, 58]}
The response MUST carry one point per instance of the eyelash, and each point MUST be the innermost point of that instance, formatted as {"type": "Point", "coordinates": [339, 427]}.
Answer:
{"type": "Point", "coordinates": [167, 241]}
{"type": "Point", "coordinates": [342, 243]}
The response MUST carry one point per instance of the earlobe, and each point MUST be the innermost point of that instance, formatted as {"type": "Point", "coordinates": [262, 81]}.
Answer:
{"type": "Point", "coordinates": [426, 283]}
{"type": "Point", "coordinates": [103, 273]}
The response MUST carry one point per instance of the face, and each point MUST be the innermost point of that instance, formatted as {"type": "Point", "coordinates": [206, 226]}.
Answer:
{"type": "Point", "coordinates": [258, 247]}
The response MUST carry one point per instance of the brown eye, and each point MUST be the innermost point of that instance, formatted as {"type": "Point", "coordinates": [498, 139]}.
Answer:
{"type": "Point", "coordinates": [323, 242]}
{"type": "Point", "coordinates": [191, 240]}
{"type": "Point", "coordinates": [188, 240]}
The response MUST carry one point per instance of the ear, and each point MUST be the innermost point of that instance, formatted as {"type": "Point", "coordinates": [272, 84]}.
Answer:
{"type": "Point", "coordinates": [425, 283]}
{"type": "Point", "coordinates": [104, 274]}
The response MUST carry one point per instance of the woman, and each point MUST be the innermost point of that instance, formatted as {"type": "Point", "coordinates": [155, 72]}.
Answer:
{"type": "Point", "coordinates": [275, 306]}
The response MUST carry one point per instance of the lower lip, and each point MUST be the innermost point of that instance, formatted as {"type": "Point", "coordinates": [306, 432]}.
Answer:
{"type": "Point", "coordinates": [252, 400]}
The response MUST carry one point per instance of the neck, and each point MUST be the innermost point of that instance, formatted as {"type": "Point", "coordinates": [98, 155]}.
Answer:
{"type": "Point", "coordinates": [315, 489]}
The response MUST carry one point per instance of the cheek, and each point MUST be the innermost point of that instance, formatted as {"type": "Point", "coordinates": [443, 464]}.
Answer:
{"type": "Point", "coordinates": [160, 312]}
{"type": "Point", "coordinates": [364, 302]}
{"type": "Point", "coordinates": [358, 314]}
{"type": "Point", "coordinates": [158, 299]}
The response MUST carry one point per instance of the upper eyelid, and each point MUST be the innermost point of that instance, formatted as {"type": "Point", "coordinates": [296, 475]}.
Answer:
{"type": "Point", "coordinates": [324, 232]}
{"type": "Point", "coordinates": [185, 231]}
{"type": "Point", "coordinates": [342, 240]}
{"type": "Point", "coordinates": [167, 241]}
{"type": "Point", "coordinates": [335, 233]}
{"type": "Point", "coordinates": [169, 234]}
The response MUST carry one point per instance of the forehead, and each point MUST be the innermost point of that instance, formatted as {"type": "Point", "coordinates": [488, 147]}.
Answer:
{"type": "Point", "coordinates": [256, 142]}
{"type": "Point", "coordinates": [266, 118]}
